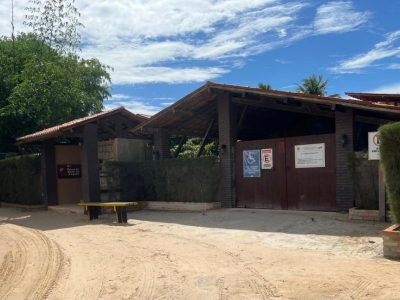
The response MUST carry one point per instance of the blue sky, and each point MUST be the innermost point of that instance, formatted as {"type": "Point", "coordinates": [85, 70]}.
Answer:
{"type": "Point", "coordinates": [163, 50]}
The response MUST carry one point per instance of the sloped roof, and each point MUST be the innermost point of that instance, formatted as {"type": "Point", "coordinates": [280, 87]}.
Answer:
{"type": "Point", "coordinates": [205, 98]}
{"type": "Point", "coordinates": [372, 97]}
{"type": "Point", "coordinates": [58, 130]}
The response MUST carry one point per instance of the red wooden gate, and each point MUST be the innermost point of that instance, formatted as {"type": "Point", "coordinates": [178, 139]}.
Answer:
{"type": "Point", "coordinates": [287, 187]}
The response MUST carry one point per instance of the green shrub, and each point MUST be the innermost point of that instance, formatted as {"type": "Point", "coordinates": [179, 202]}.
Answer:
{"type": "Point", "coordinates": [389, 147]}
{"type": "Point", "coordinates": [19, 180]}
{"type": "Point", "coordinates": [184, 180]}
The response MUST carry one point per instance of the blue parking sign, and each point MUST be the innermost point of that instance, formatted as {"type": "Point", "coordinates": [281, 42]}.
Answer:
{"type": "Point", "coordinates": [251, 163]}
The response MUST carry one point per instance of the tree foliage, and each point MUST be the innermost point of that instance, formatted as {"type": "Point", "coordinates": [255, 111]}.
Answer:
{"type": "Point", "coordinates": [45, 89]}
{"type": "Point", "coordinates": [389, 143]}
{"type": "Point", "coordinates": [264, 86]}
{"type": "Point", "coordinates": [314, 85]}
{"type": "Point", "coordinates": [56, 24]}
{"type": "Point", "coordinates": [192, 145]}
{"type": "Point", "coordinates": [43, 82]}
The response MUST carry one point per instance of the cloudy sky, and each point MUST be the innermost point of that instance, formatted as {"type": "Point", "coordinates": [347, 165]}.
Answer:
{"type": "Point", "coordinates": [163, 50]}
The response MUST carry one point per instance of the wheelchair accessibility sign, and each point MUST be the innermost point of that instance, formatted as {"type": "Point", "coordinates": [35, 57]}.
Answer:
{"type": "Point", "coordinates": [251, 163]}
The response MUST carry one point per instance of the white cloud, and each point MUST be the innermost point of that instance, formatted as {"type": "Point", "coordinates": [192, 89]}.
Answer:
{"type": "Point", "coordinates": [338, 17]}
{"type": "Point", "coordinates": [385, 49]}
{"type": "Point", "coordinates": [167, 75]}
{"type": "Point", "coordinates": [393, 88]}
{"type": "Point", "coordinates": [135, 105]}
{"type": "Point", "coordinates": [393, 66]}
{"type": "Point", "coordinates": [174, 41]}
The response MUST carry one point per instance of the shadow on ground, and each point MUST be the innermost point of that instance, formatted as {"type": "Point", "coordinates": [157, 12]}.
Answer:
{"type": "Point", "coordinates": [262, 220]}
{"type": "Point", "coordinates": [273, 221]}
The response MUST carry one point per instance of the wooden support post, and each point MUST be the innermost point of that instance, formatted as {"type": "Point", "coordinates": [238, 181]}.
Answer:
{"type": "Point", "coordinates": [178, 150]}
{"type": "Point", "coordinates": [203, 143]}
{"type": "Point", "coordinates": [382, 198]}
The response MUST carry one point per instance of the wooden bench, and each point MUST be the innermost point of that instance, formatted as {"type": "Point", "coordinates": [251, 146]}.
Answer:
{"type": "Point", "coordinates": [119, 209]}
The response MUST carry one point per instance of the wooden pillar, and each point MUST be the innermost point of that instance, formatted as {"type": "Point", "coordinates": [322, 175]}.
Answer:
{"type": "Point", "coordinates": [90, 164]}
{"type": "Point", "coordinates": [49, 173]}
{"type": "Point", "coordinates": [227, 122]}
{"type": "Point", "coordinates": [162, 144]}
{"type": "Point", "coordinates": [344, 125]}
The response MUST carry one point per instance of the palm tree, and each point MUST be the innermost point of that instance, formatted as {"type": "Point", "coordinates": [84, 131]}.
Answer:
{"type": "Point", "coordinates": [314, 85]}
{"type": "Point", "coordinates": [264, 86]}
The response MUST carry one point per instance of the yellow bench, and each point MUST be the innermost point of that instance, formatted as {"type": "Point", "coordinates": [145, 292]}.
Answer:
{"type": "Point", "coordinates": [119, 209]}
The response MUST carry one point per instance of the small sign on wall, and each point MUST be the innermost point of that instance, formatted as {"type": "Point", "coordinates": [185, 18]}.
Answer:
{"type": "Point", "coordinates": [373, 146]}
{"type": "Point", "coordinates": [310, 156]}
{"type": "Point", "coordinates": [251, 163]}
{"type": "Point", "coordinates": [267, 161]}
{"type": "Point", "coordinates": [69, 171]}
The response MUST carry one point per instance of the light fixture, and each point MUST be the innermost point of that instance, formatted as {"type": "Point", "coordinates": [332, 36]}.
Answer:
{"type": "Point", "coordinates": [222, 149]}
{"type": "Point", "coordinates": [343, 140]}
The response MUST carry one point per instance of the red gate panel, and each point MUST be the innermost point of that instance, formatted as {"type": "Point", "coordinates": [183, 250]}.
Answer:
{"type": "Point", "coordinates": [311, 188]}
{"type": "Point", "coordinates": [269, 190]}
{"type": "Point", "coordinates": [285, 187]}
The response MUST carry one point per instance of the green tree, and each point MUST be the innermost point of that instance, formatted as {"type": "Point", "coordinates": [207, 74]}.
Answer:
{"type": "Point", "coordinates": [43, 82]}
{"type": "Point", "coordinates": [56, 24]}
{"type": "Point", "coordinates": [40, 89]}
{"type": "Point", "coordinates": [264, 86]}
{"type": "Point", "coordinates": [192, 145]}
{"type": "Point", "coordinates": [314, 85]}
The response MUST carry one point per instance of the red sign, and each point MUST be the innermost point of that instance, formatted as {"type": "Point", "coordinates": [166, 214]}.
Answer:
{"type": "Point", "coordinates": [69, 171]}
{"type": "Point", "coordinates": [266, 159]}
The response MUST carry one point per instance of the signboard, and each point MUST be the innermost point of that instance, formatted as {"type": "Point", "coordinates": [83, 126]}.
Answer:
{"type": "Point", "coordinates": [310, 156]}
{"type": "Point", "coordinates": [373, 146]}
{"type": "Point", "coordinates": [251, 163]}
{"type": "Point", "coordinates": [69, 171]}
{"type": "Point", "coordinates": [266, 159]}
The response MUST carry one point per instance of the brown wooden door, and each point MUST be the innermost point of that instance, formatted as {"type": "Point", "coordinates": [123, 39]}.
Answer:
{"type": "Point", "coordinates": [311, 188]}
{"type": "Point", "coordinates": [285, 187]}
{"type": "Point", "coordinates": [269, 190]}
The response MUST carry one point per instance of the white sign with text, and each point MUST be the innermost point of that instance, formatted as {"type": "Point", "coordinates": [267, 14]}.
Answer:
{"type": "Point", "coordinates": [310, 156]}
{"type": "Point", "coordinates": [373, 146]}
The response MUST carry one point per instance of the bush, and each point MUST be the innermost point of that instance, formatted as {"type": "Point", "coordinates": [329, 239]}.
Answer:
{"type": "Point", "coordinates": [181, 180]}
{"type": "Point", "coordinates": [389, 147]}
{"type": "Point", "coordinates": [19, 180]}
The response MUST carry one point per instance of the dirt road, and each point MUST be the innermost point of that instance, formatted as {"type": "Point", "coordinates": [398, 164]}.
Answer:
{"type": "Point", "coordinates": [224, 254]}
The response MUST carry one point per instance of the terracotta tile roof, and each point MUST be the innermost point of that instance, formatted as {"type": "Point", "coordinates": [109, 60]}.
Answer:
{"type": "Point", "coordinates": [58, 129]}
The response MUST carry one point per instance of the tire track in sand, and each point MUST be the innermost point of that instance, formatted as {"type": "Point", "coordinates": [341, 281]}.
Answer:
{"type": "Point", "coordinates": [31, 270]}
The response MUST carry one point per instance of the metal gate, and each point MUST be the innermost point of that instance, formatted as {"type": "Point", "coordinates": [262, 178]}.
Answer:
{"type": "Point", "coordinates": [285, 186]}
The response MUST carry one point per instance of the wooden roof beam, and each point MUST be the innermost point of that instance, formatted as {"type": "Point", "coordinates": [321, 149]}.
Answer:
{"type": "Point", "coordinates": [203, 143]}
{"type": "Point", "coordinates": [146, 129]}
{"type": "Point", "coordinates": [203, 113]}
{"type": "Point", "coordinates": [306, 109]}
{"type": "Point", "coordinates": [182, 112]}
{"type": "Point", "coordinates": [370, 120]}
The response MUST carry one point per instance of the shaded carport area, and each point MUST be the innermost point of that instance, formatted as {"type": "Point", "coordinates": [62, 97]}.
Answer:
{"type": "Point", "coordinates": [83, 136]}
{"type": "Point", "coordinates": [232, 113]}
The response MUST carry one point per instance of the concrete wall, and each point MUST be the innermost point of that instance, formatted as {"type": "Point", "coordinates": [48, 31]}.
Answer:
{"type": "Point", "coordinates": [69, 190]}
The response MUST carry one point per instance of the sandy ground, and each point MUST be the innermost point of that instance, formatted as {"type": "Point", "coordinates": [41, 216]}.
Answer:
{"type": "Point", "coordinates": [222, 254]}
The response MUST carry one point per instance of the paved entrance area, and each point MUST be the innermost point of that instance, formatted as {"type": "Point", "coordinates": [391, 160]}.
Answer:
{"type": "Point", "coordinates": [220, 254]}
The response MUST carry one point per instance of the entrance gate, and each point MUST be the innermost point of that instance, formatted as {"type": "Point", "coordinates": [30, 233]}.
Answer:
{"type": "Point", "coordinates": [284, 186]}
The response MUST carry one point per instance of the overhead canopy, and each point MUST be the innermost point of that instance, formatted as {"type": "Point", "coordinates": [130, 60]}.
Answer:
{"type": "Point", "coordinates": [197, 113]}
{"type": "Point", "coordinates": [393, 99]}
{"type": "Point", "coordinates": [111, 124]}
